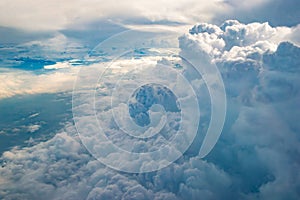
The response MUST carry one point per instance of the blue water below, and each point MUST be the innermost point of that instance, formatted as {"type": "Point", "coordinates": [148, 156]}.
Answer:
{"type": "Point", "coordinates": [49, 111]}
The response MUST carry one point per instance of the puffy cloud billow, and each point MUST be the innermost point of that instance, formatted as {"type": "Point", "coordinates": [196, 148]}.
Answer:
{"type": "Point", "coordinates": [257, 156]}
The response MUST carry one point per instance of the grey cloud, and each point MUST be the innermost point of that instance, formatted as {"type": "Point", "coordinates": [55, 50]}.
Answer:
{"type": "Point", "coordinates": [276, 12]}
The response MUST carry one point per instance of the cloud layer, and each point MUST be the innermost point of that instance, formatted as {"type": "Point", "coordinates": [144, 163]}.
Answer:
{"type": "Point", "coordinates": [39, 15]}
{"type": "Point", "coordinates": [18, 82]}
{"type": "Point", "coordinates": [257, 156]}
{"type": "Point", "coordinates": [56, 15]}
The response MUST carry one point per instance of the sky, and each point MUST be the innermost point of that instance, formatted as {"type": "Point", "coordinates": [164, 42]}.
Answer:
{"type": "Point", "coordinates": [159, 100]}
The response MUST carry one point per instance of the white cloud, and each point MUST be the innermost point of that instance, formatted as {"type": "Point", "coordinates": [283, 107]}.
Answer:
{"type": "Point", "coordinates": [61, 169]}
{"type": "Point", "coordinates": [59, 65]}
{"type": "Point", "coordinates": [19, 82]}
{"type": "Point", "coordinates": [33, 115]}
{"type": "Point", "coordinates": [234, 40]}
{"type": "Point", "coordinates": [257, 156]}
{"type": "Point", "coordinates": [260, 75]}
{"type": "Point", "coordinates": [33, 128]}
{"type": "Point", "coordinates": [56, 47]}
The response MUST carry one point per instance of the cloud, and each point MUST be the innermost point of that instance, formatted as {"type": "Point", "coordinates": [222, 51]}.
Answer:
{"type": "Point", "coordinates": [238, 46]}
{"type": "Point", "coordinates": [64, 170]}
{"type": "Point", "coordinates": [33, 128]}
{"type": "Point", "coordinates": [19, 82]}
{"type": "Point", "coordinates": [56, 15]}
{"type": "Point", "coordinates": [276, 12]}
{"type": "Point", "coordinates": [33, 115]}
{"type": "Point", "coordinates": [259, 71]}
{"type": "Point", "coordinates": [257, 156]}
{"type": "Point", "coordinates": [253, 36]}
{"type": "Point", "coordinates": [60, 65]}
